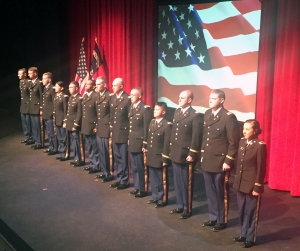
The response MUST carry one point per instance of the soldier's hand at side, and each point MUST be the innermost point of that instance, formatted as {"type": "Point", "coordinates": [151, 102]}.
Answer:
{"type": "Point", "coordinates": [95, 130]}
{"type": "Point", "coordinates": [144, 150]}
{"type": "Point", "coordinates": [73, 129]}
{"type": "Point", "coordinates": [64, 125]}
{"type": "Point", "coordinates": [255, 193]}
{"type": "Point", "coordinates": [165, 164]}
{"type": "Point", "coordinates": [190, 158]}
{"type": "Point", "coordinates": [41, 113]}
{"type": "Point", "coordinates": [226, 167]}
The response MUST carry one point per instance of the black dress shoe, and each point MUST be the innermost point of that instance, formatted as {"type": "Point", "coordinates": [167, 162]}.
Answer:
{"type": "Point", "coordinates": [63, 159]}
{"type": "Point", "coordinates": [24, 141]}
{"type": "Point", "coordinates": [176, 211]}
{"type": "Point", "coordinates": [29, 142]}
{"type": "Point", "coordinates": [87, 168]}
{"type": "Point", "coordinates": [152, 201]}
{"type": "Point", "coordinates": [122, 186]}
{"type": "Point", "coordinates": [36, 147]}
{"type": "Point", "coordinates": [52, 153]}
{"type": "Point", "coordinates": [58, 158]}
{"type": "Point", "coordinates": [135, 191]}
{"type": "Point", "coordinates": [114, 185]}
{"type": "Point", "coordinates": [159, 205]}
{"type": "Point", "coordinates": [46, 151]}
{"type": "Point", "coordinates": [78, 163]}
{"type": "Point", "coordinates": [248, 244]}
{"type": "Point", "coordinates": [185, 214]}
{"type": "Point", "coordinates": [219, 226]}
{"type": "Point", "coordinates": [209, 223]}
{"type": "Point", "coordinates": [239, 239]}
{"type": "Point", "coordinates": [101, 176]}
{"type": "Point", "coordinates": [140, 195]}
{"type": "Point", "coordinates": [107, 179]}
{"type": "Point", "coordinates": [93, 171]}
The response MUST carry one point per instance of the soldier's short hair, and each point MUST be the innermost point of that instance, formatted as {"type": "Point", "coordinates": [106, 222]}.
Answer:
{"type": "Point", "coordinates": [75, 83]}
{"type": "Point", "coordinates": [162, 105]}
{"type": "Point", "coordinates": [139, 89]}
{"type": "Point", "coordinates": [49, 74]}
{"type": "Point", "coordinates": [22, 69]}
{"type": "Point", "coordinates": [104, 79]}
{"type": "Point", "coordinates": [34, 69]}
{"type": "Point", "coordinates": [220, 93]}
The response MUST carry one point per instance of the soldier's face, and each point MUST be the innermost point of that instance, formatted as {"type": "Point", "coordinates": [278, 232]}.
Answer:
{"type": "Point", "coordinates": [184, 100]}
{"type": "Point", "coordinates": [100, 85]}
{"type": "Point", "coordinates": [117, 87]}
{"type": "Point", "coordinates": [89, 86]}
{"type": "Point", "coordinates": [215, 101]}
{"type": "Point", "coordinates": [21, 74]}
{"type": "Point", "coordinates": [46, 80]}
{"type": "Point", "coordinates": [159, 112]}
{"type": "Point", "coordinates": [73, 89]}
{"type": "Point", "coordinates": [135, 96]}
{"type": "Point", "coordinates": [248, 131]}
{"type": "Point", "coordinates": [58, 88]}
{"type": "Point", "coordinates": [32, 75]}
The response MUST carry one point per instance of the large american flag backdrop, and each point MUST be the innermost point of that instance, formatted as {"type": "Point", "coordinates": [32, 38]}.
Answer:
{"type": "Point", "coordinates": [210, 46]}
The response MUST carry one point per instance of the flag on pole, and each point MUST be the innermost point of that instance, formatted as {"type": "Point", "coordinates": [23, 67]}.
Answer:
{"type": "Point", "coordinates": [82, 74]}
{"type": "Point", "coordinates": [96, 63]}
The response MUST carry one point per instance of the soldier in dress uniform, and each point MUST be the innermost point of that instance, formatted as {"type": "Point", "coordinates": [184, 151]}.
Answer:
{"type": "Point", "coordinates": [140, 116]}
{"type": "Point", "coordinates": [72, 122]}
{"type": "Point", "coordinates": [219, 148]}
{"type": "Point", "coordinates": [89, 123]}
{"type": "Point", "coordinates": [35, 100]}
{"type": "Point", "coordinates": [185, 145]}
{"type": "Point", "coordinates": [249, 181]}
{"type": "Point", "coordinates": [47, 108]}
{"type": "Point", "coordinates": [158, 154]}
{"type": "Point", "coordinates": [119, 127]}
{"type": "Point", "coordinates": [24, 107]}
{"type": "Point", "coordinates": [103, 129]}
{"type": "Point", "coordinates": [60, 112]}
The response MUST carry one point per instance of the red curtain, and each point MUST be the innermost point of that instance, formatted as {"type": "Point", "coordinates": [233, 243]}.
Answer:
{"type": "Point", "coordinates": [126, 33]}
{"type": "Point", "coordinates": [278, 105]}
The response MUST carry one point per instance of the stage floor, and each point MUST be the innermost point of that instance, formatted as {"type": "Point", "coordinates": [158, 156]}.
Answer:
{"type": "Point", "coordinates": [54, 206]}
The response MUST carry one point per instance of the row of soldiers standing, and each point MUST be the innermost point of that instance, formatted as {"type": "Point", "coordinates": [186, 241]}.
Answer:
{"type": "Point", "coordinates": [100, 116]}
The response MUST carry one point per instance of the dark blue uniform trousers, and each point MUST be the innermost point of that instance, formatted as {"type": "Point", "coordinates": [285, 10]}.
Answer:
{"type": "Point", "coordinates": [50, 132]}
{"type": "Point", "coordinates": [25, 120]}
{"type": "Point", "coordinates": [75, 142]}
{"type": "Point", "coordinates": [214, 186]}
{"type": "Point", "coordinates": [91, 141]}
{"type": "Point", "coordinates": [137, 170]}
{"type": "Point", "coordinates": [36, 129]}
{"type": "Point", "coordinates": [120, 151]}
{"type": "Point", "coordinates": [247, 204]}
{"type": "Point", "coordinates": [156, 181]}
{"type": "Point", "coordinates": [61, 138]}
{"type": "Point", "coordinates": [104, 155]}
{"type": "Point", "coordinates": [180, 173]}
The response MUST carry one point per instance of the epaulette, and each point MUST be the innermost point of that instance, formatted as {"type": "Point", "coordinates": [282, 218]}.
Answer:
{"type": "Point", "coordinates": [261, 142]}
{"type": "Point", "coordinates": [81, 97]}
{"type": "Point", "coordinates": [178, 108]}
{"type": "Point", "coordinates": [197, 112]}
{"type": "Point", "coordinates": [146, 106]}
{"type": "Point", "coordinates": [111, 94]}
{"type": "Point", "coordinates": [243, 138]}
{"type": "Point", "coordinates": [229, 113]}
{"type": "Point", "coordinates": [66, 96]}
{"type": "Point", "coordinates": [152, 119]}
{"type": "Point", "coordinates": [170, 123]}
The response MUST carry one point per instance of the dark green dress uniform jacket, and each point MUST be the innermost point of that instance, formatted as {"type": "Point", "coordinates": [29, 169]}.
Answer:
{"type": "Point", "coordinates": [251, 166]}
{"type": "Point", "coordinates": [47, 106]}
{"type": "Point", "coordinates": [119, 122]}
{"type": "Point", "coordinates": [186, 135]}
{"type": "Point", "coordinates": [89, 114]}
{"type": "Point", "coordinates": [221, 137]}
{"type": "Point", "coordinates": [35, 96]}
{"type": "Point", "coordinates": [74, 113]}
{"type": "Point", "coordinates": [60, 108]}
{"type": "Point", "coordinates": [139, 119]}
{"type": "Point", "coordinates": [103, 114]}
{"type": "Point", "coordinates": [24, 89]}
{"type": "Point", "coordinates": [158, 143]}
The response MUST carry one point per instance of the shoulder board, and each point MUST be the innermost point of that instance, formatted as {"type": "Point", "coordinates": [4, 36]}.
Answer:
{"type": "Point", "coordinates": [243, 138]}
{"type": "Point", "coordinates": [170, 123]}
{"type": "Point", "coordinates": [229, 113]}
{"type": "Point", "coordinates": [111, 94]}
{"type": "Point", "coordinates": [81, 97]}
{"type": "Point", "coordinates": [66, 96]}
{"type": "Point", "coordinates": [197, 112]}
{"type": "Point", "coordinates": [152, 119]}
{"type": "Point", "coordinates": [178, 108]}
{"type": "Point", "coordinates": [146, 106]}
{"type": "Point", "coordinates": [261, 142]}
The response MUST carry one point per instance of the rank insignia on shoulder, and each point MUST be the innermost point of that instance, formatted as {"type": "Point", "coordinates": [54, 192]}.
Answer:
{"type": "Point", "coordinates": [66, 96]}
{"type": "Point", "coordinates": [197, 112]}
{"type": "Point", "coordinates": [146, 106]}
{"type": "Point", "coordinates": [261, 142]}
{"type": "Point", "coordinates": [81, 97]}
{"type": "Point", "coordinates": [178, 108]}
{"type": "Point", "coordinates": [229, 113]}
{"type": "Point", "coordinates": [170, 123]}
{"type": "Point", "coordinates": [243, 138]}
{"type": "Point", "coordinates": [111, 94]}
